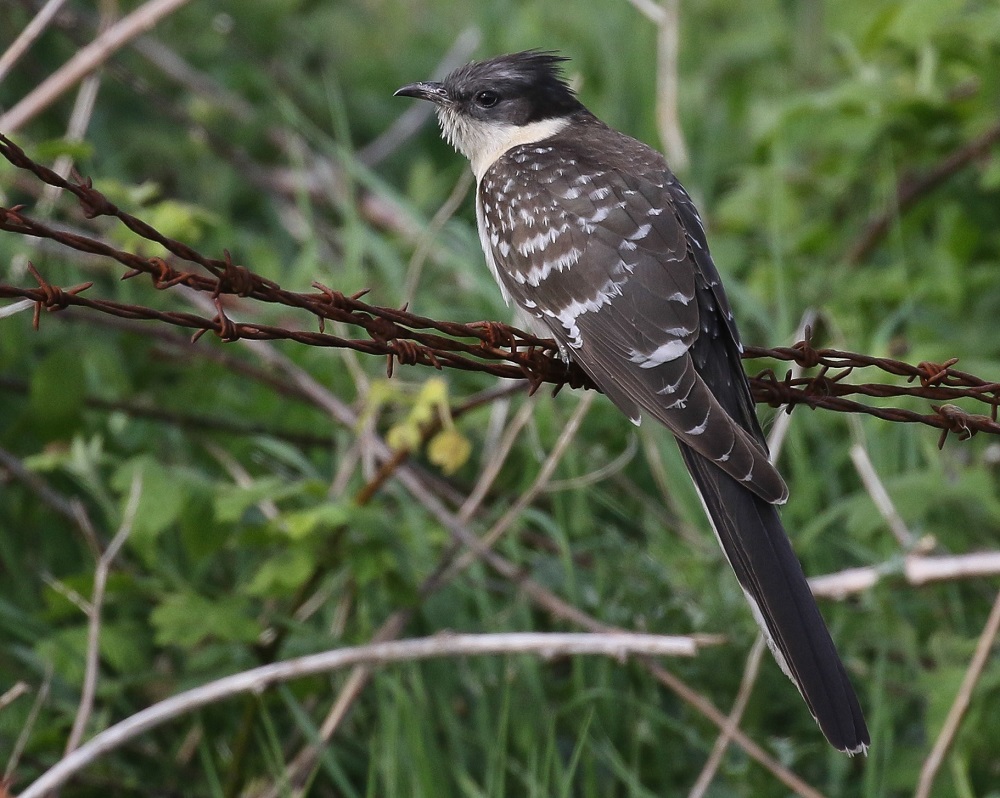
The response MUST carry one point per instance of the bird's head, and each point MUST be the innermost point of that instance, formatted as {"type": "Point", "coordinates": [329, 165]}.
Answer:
{"type": "Point", "coordinates": [487, 107]}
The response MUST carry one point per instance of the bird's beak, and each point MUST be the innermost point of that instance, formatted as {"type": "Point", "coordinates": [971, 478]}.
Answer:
{"type": "Point", "coordinates": [425, 90]}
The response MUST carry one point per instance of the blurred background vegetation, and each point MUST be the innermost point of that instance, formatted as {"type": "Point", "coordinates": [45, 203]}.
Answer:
{"type": "Point", "coordinates": [258, 128]}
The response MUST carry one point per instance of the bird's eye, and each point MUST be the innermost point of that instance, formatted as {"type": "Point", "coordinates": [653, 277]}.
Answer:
{"type": "Point", "coordinates": [487, 99]}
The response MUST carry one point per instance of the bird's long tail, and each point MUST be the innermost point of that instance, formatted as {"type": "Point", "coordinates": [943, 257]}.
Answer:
{"type": "Point", "coordinates": [757, 547]}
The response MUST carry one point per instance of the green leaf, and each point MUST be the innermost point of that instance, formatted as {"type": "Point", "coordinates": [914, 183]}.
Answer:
{"type": "Point", "coordinates": [282, 574]}
{"type": "Point", "coordinates": [301, 524]}
{"type": "Point", "coordinates": [65, 650]}
{"type": "Point", "coordinates": [186, 619]}
{"type": "Point", "coordinates": [232, 502]}
{"type": "Point", "coordinates": [125, 646]}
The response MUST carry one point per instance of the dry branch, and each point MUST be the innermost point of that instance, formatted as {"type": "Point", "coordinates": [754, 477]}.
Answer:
{"type": "Point", "coordinates": [750, 672]}
{"type": "Point", "coordinates": [101, 574]}
{"type": "Point", "coordinates": [916, 570]}
{"type": "Point", "coordinates": [618, 646]}
{"type": "Point", "coordinates": [87, 59]}
{"type": "Point", "coordinates": [961, 703]}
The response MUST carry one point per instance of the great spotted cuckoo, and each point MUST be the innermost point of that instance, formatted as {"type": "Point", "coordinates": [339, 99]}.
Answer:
{"type": "Point", "coordinates": [592, 236]}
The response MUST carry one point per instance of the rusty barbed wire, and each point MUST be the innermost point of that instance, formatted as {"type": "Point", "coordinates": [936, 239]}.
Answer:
{"type": "Point", "coordinates": [495, 348]}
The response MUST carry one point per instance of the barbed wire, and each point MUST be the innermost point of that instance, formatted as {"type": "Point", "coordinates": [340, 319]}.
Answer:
{"type": "Point", "coordinates": [488, 347]}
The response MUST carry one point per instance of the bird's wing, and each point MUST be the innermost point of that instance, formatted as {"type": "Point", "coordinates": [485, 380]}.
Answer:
{"type": "Point", "coordinates": [611, 262]}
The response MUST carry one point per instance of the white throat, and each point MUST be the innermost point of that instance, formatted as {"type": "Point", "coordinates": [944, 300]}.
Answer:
{"type": "Point", "coordinates": [483, 142]}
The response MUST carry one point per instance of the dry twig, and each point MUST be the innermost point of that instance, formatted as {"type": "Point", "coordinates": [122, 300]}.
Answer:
{"type": "Point", "coordinates": [91, 660]}
{"type": "Point", "coordinates": [86, 60]}
{"type": "Point", "coordinates": [667, 94]}
{"type": "Point", "coordinates": [916, 569]}
{"type": "Point", "coordinates": [618, 646]}
{"type": "Point", "coordinates": [27, 37]}
{"type": "Point", "coordinates": [29, 725]}
{"type": "Point", "coordinates": [15, 692]}
{"type": "Point", "coordinates": [880, 497]}
{"type": "Point", "coordinates": [750, 671]}
{"type": "Point", "coordinates": [961, 703]}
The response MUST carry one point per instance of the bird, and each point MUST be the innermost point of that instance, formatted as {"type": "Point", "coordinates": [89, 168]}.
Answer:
{"type": "Point", "coordinates": [591, 235]}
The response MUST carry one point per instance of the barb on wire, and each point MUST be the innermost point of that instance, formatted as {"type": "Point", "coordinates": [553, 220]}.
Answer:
{"type": "Point", "coordinates": [490, 347]}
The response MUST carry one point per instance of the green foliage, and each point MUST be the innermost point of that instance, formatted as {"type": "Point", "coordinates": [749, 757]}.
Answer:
{"type": "Point", "coordinates": [186, 620]}
{"type": "Point", "coordinates": [248, 543]}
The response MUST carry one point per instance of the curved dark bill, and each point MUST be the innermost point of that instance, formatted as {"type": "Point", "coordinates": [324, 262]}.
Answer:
{"type": "Point", "coordinates": [424, 90]}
